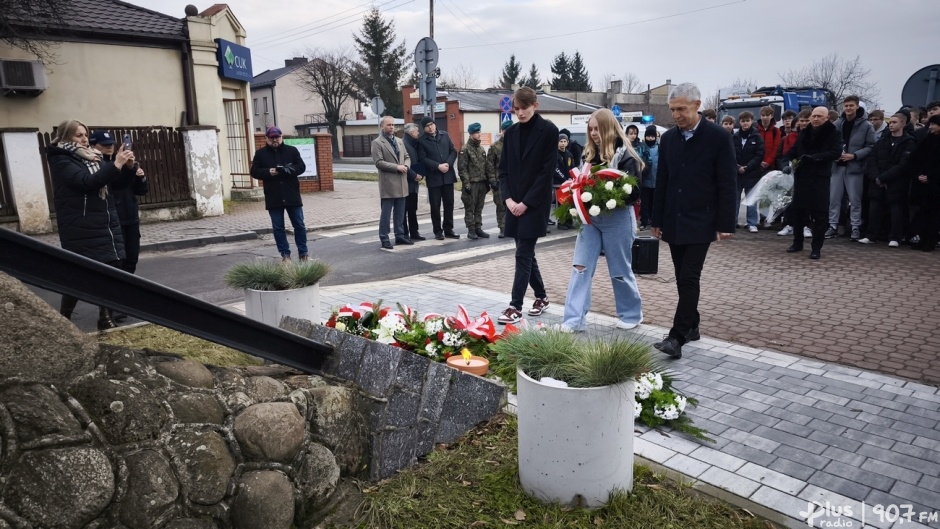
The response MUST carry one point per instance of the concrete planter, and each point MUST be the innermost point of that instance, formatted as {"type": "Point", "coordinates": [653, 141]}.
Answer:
{"type": "Point", "coordinates": [269, 306]}
{"type": "Point", "coordinates": [575, 444]}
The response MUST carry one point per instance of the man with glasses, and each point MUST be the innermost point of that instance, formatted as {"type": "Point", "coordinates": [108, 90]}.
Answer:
{"type": "Point", "coordinates": [277, 165]}
{"type": "Point", "coordinates": [877, 120]}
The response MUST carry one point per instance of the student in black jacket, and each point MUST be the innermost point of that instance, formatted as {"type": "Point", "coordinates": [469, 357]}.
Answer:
{"type": "Point", "coordinates": [749, 153]}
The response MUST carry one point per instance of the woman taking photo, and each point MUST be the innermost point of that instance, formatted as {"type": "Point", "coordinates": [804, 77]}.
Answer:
{"type": "Point", "coordinates": [611, 230]}
{"type": "Point", "coordinates": [87, 220]}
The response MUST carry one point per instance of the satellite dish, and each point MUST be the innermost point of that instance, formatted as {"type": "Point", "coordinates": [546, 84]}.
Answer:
{"type": "Point", "coordinates": [922, 88]}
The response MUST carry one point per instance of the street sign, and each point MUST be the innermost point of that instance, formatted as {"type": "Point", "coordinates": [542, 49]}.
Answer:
{"type": "Point", "coordinates": [505, 104]}
{"type": "Point", "coordinates": [377, 105]}
{"type": "Point", "coordinates": [616, 110]}
{"type": "Point", "coordinates": [505, 116]}
{"type": "Point", "coordinates": [580, 118]}
{"type": "Point", "coordinates": [923, 87]}
{"type": "Point", "coordinates": [426, 55]}
{"type": "Point", "coordinates": [419, 109]}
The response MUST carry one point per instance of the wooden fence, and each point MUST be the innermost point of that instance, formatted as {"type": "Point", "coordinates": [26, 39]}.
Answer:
{"type": "Point", "coordinates": [358, 146]}
{"type": "Point", "coordinates": [159, 150]}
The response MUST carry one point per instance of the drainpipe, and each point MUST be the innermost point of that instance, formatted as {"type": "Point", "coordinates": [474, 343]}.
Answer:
{"type": "Point", "coordinates": [192, 118]}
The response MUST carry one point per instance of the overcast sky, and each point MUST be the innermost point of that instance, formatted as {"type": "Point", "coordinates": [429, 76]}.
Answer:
{"type": "Point", "coordinates": [709, 42]}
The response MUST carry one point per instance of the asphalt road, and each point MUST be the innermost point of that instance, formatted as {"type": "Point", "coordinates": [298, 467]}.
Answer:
{"type": "Point", "coordinates": [340, 167]}
{"type": "Point", "coordinates": [354, 254]}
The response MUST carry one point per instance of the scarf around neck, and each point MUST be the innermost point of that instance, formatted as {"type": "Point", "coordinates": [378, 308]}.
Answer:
{"type": "Point", "coordinates": [89, 156]}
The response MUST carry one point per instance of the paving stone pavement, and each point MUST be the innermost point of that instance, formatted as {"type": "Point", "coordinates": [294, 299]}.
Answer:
{"type": "Point", "coordinates": [869, 307]}
{"type": "Point", "coordinates": [788, 430]}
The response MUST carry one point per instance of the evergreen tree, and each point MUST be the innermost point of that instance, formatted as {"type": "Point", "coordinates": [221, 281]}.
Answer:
{"type": "Point", "coordinates": [561, 70]}
{"type": "Point", "coordinates": [580, 80]}
{"type": "Point", "coordinates": [511, 72]}
{"type": "Point", "coordinates": [382, 63]}
{"type": "Point", "coordinates": [534, 80]}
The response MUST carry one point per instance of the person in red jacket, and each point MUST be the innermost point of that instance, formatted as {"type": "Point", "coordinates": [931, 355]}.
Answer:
{"type": "Point", "coordinates": [772, 136]}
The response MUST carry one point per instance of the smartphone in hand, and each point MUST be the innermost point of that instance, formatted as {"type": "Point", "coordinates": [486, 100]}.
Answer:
{"type": "Point", "coordinates": [127, 142]}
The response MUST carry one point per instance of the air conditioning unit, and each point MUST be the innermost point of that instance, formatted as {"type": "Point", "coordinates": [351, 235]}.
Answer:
{"type": "Point", "coordinates": [22, 78]}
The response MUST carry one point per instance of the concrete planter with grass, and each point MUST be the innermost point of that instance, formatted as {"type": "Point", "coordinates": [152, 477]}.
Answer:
{"type": "Point", "coordinates": [575, 444]}
{"type": "Point", "coordinates": [274, 290]}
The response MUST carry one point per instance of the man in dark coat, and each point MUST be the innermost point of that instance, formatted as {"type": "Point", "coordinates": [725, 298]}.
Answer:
{"type": "Point", "coordinates": [278, 166]}
{"type": "Point", "coordinates": [439, 156]}
{"type": "Point", "coordinates": [525, 183]}
{"type": "Point", "coordinates": [817, 147]}
{"type": "Point", "coordinates": [749, 153]}
{"type": "Point", "coordinates": [693, 204]}
{"type": "Point", "coordinates": [925, 166]}
{"type": "Point", "coordinates": [415, 173]}
{"type": "Point", "coordinates": [888, 183]}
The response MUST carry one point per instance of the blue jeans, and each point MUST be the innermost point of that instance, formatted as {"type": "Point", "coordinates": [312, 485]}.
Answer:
{"type": "Point", "coordinates": [612, 232]}
{"type": "Point", "coordinates": [398, 218]}
{"type": "Point", "coordinates": [296, 215]}
{"type": "Point", "coordinates": [751, 214]}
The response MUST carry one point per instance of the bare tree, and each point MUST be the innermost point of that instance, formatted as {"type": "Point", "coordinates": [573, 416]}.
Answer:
{"type": "Point", "coordinates": [631, 83]}
{"type": "Point", "coordinates": [462, 76]}
{"type": "Point", "coordinates": [27, 25]}
{"type": "Point", "coordinates": [608, 78]}
{"type": "Point", "coordinates": [328, 76]}
{"type": "Point", "coordinates": [712, 101]}
{"type": "Point", "coordinates": [841, 76]}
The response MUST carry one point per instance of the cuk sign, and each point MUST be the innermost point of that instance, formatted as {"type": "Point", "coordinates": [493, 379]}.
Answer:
{"type": "Point", "coordinates": [234, 60]}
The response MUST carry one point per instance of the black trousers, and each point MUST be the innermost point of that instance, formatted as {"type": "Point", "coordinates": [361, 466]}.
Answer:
{"type": "Point", "coordinates": [928, 223]}
{"type": "Point", "coordinates": [819, 224]}
{"type": "Point", "coordinates": [527, 273]}
{"type": "Point", "coordinates": [437, 195]}
{"type": "Point", "coordinates": [411, 215]}
{"type": "Point", "coordinates": [68, 302]}
{"type": "Point", "coordinates": [688, 261]}
{"type": "Point", "coordinates": [131, 247]}
{"type": "Point", "coordinates": [646, 205]}
{"type": "Point", "coordinates": [878, 207]}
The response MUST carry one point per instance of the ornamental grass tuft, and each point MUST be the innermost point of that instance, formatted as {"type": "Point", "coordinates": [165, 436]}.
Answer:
{"type": "Point", "coordinates": [270, 275]}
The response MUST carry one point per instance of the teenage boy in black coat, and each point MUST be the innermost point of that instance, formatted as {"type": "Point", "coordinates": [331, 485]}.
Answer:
{"type": "Point", "coordinates": [693, 204]}
{"type": "Point", "coordinates": [525, 175]}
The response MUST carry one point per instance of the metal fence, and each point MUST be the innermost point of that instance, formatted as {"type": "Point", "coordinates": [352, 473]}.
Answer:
{"type": "Point", "coordinates": [240, 142]}
{"type": "Point", "coordinates": [159, 150]}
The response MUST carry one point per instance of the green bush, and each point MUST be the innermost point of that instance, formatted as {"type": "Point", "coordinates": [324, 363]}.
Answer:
{"type": "Point", "coordinates": [271, 275]}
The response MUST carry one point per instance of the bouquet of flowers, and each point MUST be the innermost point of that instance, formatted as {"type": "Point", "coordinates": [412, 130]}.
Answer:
{"type": "Point", "coordinates": [773, 191]}
{"type": "Point", "coordinates": [435, 336]}
{"type": "Point", "coordinates": [657, 404]}
{"type": "Point", "coordinates": [592, 191]}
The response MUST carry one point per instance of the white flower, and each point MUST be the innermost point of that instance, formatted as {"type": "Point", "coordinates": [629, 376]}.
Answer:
{"type": "Point", "coordinates": [586, 196]}
{"type": "Point", "coordinates": [431, 349]}
{"type": "Point", "coordinates": [681, 402]}
{"type": "Point", "coordinates": [573, 212]}
{"type": "Point", "coordinates": [627, 188]}
{"type": "Point", "coordinates": [654, 380]}
{"type": "Point", "coordinates": [611, 204]}
{"type": "Point", "coordinates": [340, 326]}
{"type": "Point", "coordinates": [609, 185]}
{"type": "Point", "coordinates": [385, 335]}
{"type": "Point", "coordinates": [643, 390]}
{"type": "Point", "coordinates": [668, 413]}
{"type": "Point", "coordinates": [434, 326]}
{"type": "Point", "coordinates": [637, 408]}
{"type": "Point", "coordinates": [594, 211]}
{"type": "Point", "coordinates": [453, 339]}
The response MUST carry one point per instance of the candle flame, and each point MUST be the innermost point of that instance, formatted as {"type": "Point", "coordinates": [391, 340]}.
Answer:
{"type": "Point", "coordinates": [466, 355]}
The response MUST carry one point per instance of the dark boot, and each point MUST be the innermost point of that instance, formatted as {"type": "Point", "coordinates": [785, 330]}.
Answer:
{"type": "Point", "coordinates": [105, 321]}
{"type": "Point", "coordinates": [68, 306]}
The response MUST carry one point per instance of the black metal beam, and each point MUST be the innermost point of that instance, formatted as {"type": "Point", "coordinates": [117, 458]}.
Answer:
{"type": "Point", "coordinates": [61, 271]}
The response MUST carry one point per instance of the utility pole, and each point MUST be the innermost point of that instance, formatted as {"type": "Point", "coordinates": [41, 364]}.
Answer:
{"type": "Point", "coordinates": [432, 19]}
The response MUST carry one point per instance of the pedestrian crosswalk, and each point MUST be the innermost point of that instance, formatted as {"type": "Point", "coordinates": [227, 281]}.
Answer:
{"type": "Point", "coordinates": [458, 255]}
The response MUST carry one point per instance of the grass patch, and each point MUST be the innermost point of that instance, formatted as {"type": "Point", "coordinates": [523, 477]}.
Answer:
{"type": "Point", "coordinates": [363, 177]}
{"type": "Point", "coordinates": [162, 339]}
{"type": "Point", "coordinates": [228, 206]}
{"type": "Point", "coordinates": [475, 483]}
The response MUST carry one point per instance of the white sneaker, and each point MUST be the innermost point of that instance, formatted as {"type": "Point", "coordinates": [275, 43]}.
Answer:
{"type": "Point", "coordinates": [787, 230]}
{"type": "Point", "coordinates": [807, 233]}
{"type": "Point", "coordinates": [627, 326]}
{"type": "Point", "coordinates": [866, 240]}
{"type": "Point", "coordinates": [752, 229]}
{"type": "Point", "coordinates": [893, 244]}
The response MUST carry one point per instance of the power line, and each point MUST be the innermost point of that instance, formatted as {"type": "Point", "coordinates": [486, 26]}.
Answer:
{"type": "Point", "coordinates": [477, 24]}
{"type": "Point", "coordinates": [288, 32]}
{"type": "Point", "coordinates": [475, 34]}
{"type": "Point", "coordinates": [597, 29]}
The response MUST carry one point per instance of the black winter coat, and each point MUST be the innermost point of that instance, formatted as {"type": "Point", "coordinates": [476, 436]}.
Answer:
{"type": "Point", "coordinates": [125, 198]}
{"type": "Point", "coordinates": [411, 145]}
{"type": "Point", "coordinates": [696, 181]}
{"type": "Point", "coordinates": [926, 161]}
{"type": "Point", "coordinates": [525, 175]}
{"type": "Point", "coordinates": [889, 164]}
{"type": "Point", "coordinates": [815, 153]}
{"type": "Point", "coordinates": [432, 152]}
{"type": "Point", "coordinates": [283, 189]}
{"type": "Point", "coordinates": [749, 153]}
{"type": "Point", "coordinates": [88, 224]}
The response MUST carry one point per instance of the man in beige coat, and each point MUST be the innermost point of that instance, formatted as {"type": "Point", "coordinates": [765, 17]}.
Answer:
{"type": "Point", "coordinates": [392, 160]}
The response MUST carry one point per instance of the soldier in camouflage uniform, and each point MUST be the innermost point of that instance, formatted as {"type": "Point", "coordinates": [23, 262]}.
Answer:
{"type": "Point", "coordinates": [492, 162]}
{"type": "Point", "coordinates": [471, 168]}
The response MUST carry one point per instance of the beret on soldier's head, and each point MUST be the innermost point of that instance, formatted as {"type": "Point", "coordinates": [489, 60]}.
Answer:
{"type": "Point", "coordinates": [505, 125]}
{"type": "Point", "coordinates": [473, 128]}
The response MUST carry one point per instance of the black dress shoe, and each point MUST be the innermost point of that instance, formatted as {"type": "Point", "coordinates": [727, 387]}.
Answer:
{"type": "Point", "coordinates": [670, 346]}
{"type": "Point", "coordinates": [794, 248]}
{"type": "Point", "coordinates": [814, 254]}
{"type": "Point", "coordinates": [400, 240]}
{"type": "Point", "coordinates": [692, 335]}
{"type": "Point", "coordinates": [387, 246]}
{"type": "Point", "coordinates": [417, 237]}
{"type": "Point", "coordinates": [439, 236]}
{"type": "Point", "coordinates": [451, 235]}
